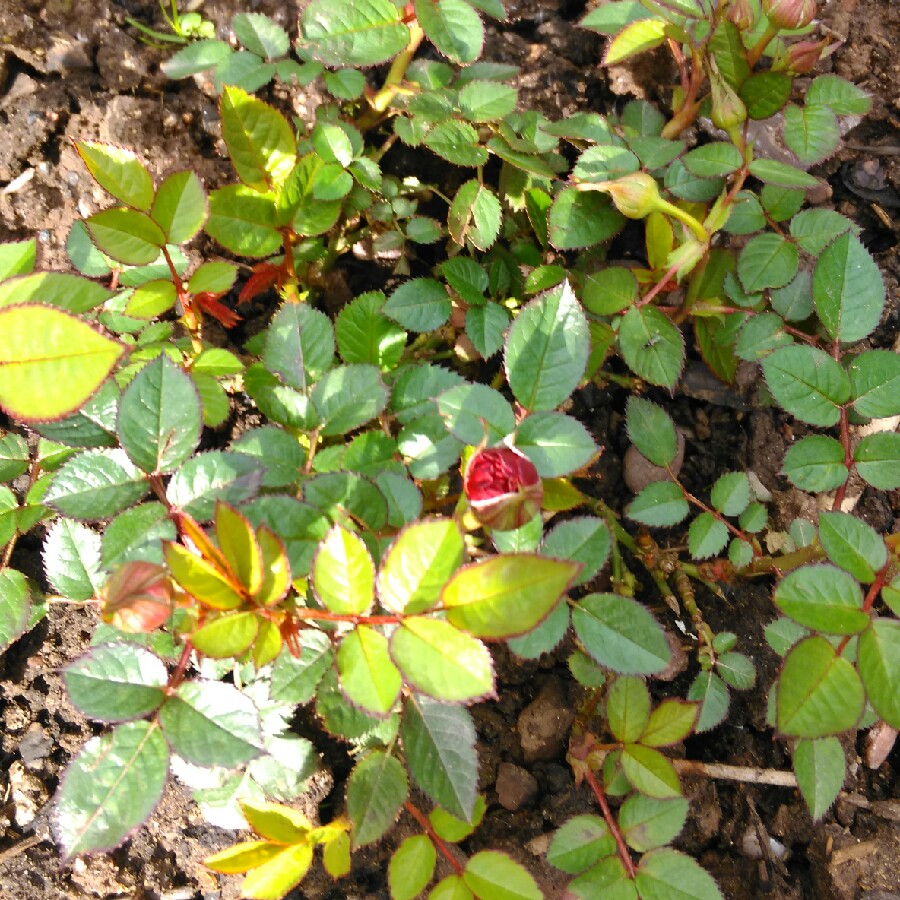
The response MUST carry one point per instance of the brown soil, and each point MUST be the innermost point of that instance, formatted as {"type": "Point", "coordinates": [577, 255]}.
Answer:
{"type": "Point", "coordinates": [75, 70]}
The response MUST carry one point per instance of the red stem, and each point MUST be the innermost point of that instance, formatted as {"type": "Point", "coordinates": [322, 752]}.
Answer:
{"type": "Point", "coordinates": [841, 492]}
{"type": "Point", "coordinates": [869, 602]}
{"type": "Point", "coordinates": [324, 615]}
{"type": "Point", "coordinates": [737, 532]}
{"type": "Point", "coordinates": [611, 822]}
{"type": "Point", "coordinates": [420, 817]}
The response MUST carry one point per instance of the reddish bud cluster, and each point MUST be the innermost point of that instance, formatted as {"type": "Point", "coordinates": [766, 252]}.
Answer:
{"type": "Point", "coordinates": [503, 488]}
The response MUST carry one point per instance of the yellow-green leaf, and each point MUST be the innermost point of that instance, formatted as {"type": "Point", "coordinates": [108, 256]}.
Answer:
{"type": "Point", "coordinates": [50, 362]}
{"type": "Point", "coordinates": [201, 579]}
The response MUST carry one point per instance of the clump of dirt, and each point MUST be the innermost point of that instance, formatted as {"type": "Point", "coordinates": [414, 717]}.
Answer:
{"type": "Point", "coordinates": [74, 71]}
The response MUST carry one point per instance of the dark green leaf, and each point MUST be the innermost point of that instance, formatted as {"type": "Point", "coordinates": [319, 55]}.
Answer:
{"type": "Point", "coordinates": [556, 443]}
{"type": "Point", "coordinates": [879, 666]}
{"type": "Point", "coordinates": [737, 670]}
{"type": "Point", "coordinates": [707, 536]}
{"type": "Point", "coordinates": [110, 788]}
{"type": "Point", "coordinates": [212, 724]}
{"type": "Point", "coordinates": [159, 418]}
{"type": "Point", "coordinates": [848, 291]}
{"type": "Point", "coordinates": [819, 692]}
{"type": "Point", "coordinates": [585, 540]}
{"type": "Point", "coordinates": [816, 463]}
{"type": "Point", "coordinates": [808, 383]}
{"type": "Point", "coordinates": [439, 746]}
{"type": "Point", "coordinates": [875, 383]}
{"type": "Point", "coordinates": [72, 560]}
{"type": "Point", "coordinates": [421, 304]}
{"type": "Point", "coordinates": [877, 458]}
{"type": "Point", "coordinates": [294, 679]}
{"type": "Point", "coordinates": [347, 397]}
{"type": "Point", "coordinates": [810, 132]}
{"type": "Point", "coordinates": [815, 229]}
{"type": "Point", "coordinates": [822, 597]}
{"type": "Point", "coordinates": [620, 634]}
{"type": "Point", "coordinates": [299, 345]}
{"type": "Point", "coordinates": [196, 57]}
{"type": "Point", "coordinates": [582, 218]}
{"type": "Point", "coordinates": [95, 485]}
{"type": "Point", "coordinates": [376, 790]}
{"type": "Point", "coordinates": [365, 335]}
{"type": "Point", "coordinates": [819, 765]}
{"type": "Point", "coordinates": [453, 27]}
{"type": "Point", "coordinates": [15, 606]}
{"type": "Point", "coordinates": [474, 215]}
{"type": "Point", "coordinates": [547, 349]}
{"type": "Point", "coordinates": [767, 261]}
{"type": "Point", "coordinates": [712, 694]}
{"type": "Point", "coordinates": [842, 97]}
{"type": "Point", "coordinates": [667, 874]}
{"type": "Point", "coordinates": [652, 346]}
{"type": "Point", "coordinates": [475, 412]}
{"type": "Point", "coordinates": [765, 93]}
{"type": "Point", "coordinates": [651, 430]}
{"type": "Point", "coordinates": [650, 822]}
{"type": "Point", "coordinates": [116, 682]}
{"type": "Point", "coordinates": [209, 477]}
{"type": "Point", "coordinates": [852, 544]}
{"type": "Point", "coordinates": [659, 505]}
{"type": "Point", "coordinates": [260, 35]}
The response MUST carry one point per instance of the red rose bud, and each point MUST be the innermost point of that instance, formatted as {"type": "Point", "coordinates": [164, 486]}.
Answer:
{"type": "Point", "coordinates": [503, 488]}
{"type": "Point", "coordinates": [138, 597]}
{"type": "Point", "coordinates": [740, 14]}
{"type": "Point", "coordinates": [804, 56]}
{"type": "Point", "coordinates": [790, 13]}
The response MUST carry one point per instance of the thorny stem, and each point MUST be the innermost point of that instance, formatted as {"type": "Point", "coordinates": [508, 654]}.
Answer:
{"type": "Point", "coordinates": [380, 102]}
{"type": "Point", "coordinates": [871, 596]}
{"type": "Point", "coordinates": [737, 532]}
{"type": "Point", "coordinates": [651, 294]}
{"type": "Point", "coordinates": [758, 49]}
{"type": "Point", "coordinates": [324, 615]}
{"type": "Point", "coordinates": [436, 839]}
{"type": "Point", "coordinates": [841, 492]}
{"type": "Point", "coordinates": [178, 673]}
{"type": "Point", "coordinates": [687, 112]}
{"type": "Point", "coordinates": [778, 565]}
{"type": "Point", "coordinates": [611, 822]}
{"type": "Point", "coordinates": [191, 320]}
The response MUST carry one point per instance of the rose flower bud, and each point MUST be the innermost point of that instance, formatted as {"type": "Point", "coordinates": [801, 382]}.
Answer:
{"type": "Point", "coordinates": [503, 488]}
{"type": "Point", "coordinates": [790, 13]}
{"type": "Point", "coordinates": [138, 598]}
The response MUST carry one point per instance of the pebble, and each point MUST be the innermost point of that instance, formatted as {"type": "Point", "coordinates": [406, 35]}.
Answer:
{"type": "Point", "coordinates": [639, 471]}
{"type": "Point", "coordinates": [516, 787]}
{"type": "Point", "coordinates": [34, 746]}
{"type": "Point", "coordinates": [544, 724]}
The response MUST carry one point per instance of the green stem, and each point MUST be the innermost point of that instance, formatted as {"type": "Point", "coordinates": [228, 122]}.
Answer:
{"type": "Point", "coordinates": [758, 49]}
{"type": "Point", "coordinates": [382, 100]}
{"type": "Point", "coordinates": [700, 232]}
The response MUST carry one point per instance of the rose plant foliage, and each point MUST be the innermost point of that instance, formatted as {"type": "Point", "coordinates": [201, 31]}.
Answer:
{"type": "Point", "coordinates": [418, 489]}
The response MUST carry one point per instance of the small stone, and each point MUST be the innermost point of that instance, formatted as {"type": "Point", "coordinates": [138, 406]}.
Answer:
{"type": "Point", "coordinates": [639, 471]}
{"type": "Point", "coordinates": [516, 787]}
{"type": "Point", "coordinates": [35, 745]}
{"type": "Point", "coordinates": [544, 724]}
